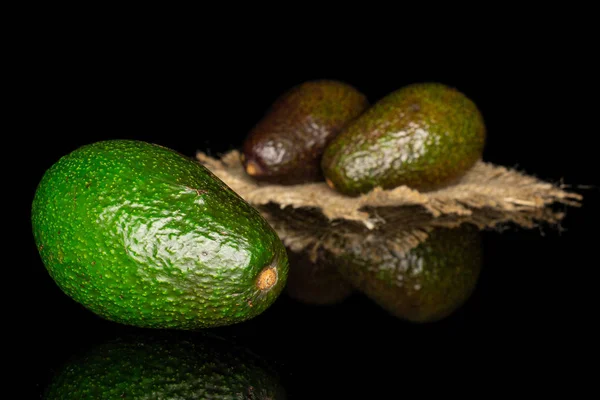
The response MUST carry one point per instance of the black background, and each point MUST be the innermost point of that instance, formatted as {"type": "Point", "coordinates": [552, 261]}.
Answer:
{"type": "Point", "coordinates": [536, 296]}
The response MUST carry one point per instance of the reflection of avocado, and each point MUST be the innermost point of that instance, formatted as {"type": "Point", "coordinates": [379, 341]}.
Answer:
{"type": "Point", "coordinates": [142, 367]}
{"type": "Point", "coordinates": [141, 235]}
{"type": "Point", "coordinates": [424, 136]}
{"type": "Point", "coordinates": [286, 146]}
{"type": "Point", "coordinates": [317, 283]}
{"type": "Point", "coordinates": [424, 284]}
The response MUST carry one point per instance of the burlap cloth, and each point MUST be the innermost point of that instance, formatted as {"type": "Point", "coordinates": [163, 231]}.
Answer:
{"type": "Point", "coordinates": [312, 216]}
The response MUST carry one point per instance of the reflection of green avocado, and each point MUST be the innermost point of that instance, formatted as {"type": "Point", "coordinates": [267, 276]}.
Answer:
{"type": "Point", "coordinates": [141, 367]}
{"type": "Point", "coordinates": [424, 284]}
{"type": "Point", "coordinates": [286, 146]}
{"type": "Point", "coordinates": [141, 235]}
{"type": "Point", "coordinates": [424, 136]}
{"type": "Point", "coordinates": [318, 283]}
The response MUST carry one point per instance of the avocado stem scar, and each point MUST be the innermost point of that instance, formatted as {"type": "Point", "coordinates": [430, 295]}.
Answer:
{"type": "Point", "coordinates": [329, 183]}
{"type": "Point", "coordinates": [252, 168]}
{"type": "Point", "coordinates": [267, 278]}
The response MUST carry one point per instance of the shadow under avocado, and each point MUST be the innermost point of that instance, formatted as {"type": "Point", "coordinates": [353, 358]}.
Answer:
{"type": "Point", "coordinates": [424, 284]}
{"type": "Point", "coordinates": [315, 283]}
{"type": "Point", "coordinates": [166, 365]}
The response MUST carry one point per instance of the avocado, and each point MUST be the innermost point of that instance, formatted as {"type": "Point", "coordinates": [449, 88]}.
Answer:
{"type": "Point", "coordinates": [315, 282]}
{"type": "Point", "coordinates": [424, 136]}
{"type": "Point", "coordinates": [141, 367]}
{"type": "Point", "coordinates": [142, 235]}
{"type": "Point", "coordinates": [425, 284]}
{"type": "Point", "coordinates": [286, 145]}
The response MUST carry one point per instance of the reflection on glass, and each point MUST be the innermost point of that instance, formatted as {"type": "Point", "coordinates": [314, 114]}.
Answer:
{"type": "Point", "coordinates": [315, 282]}
{"type": "Point", "coordinates": [166, 367]}
{"type": "Point", "coordinates": [424, 284]}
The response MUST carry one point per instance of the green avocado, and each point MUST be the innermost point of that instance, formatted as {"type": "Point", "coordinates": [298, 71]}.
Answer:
{"type": "Point", "coordinates": [286, 145]}
{"type": "Point", "coordinates": [424, 136]}
{"type": "Point", "coordinates": [316, 282]}
{"type": "Point", "coordinates": [139, 367]}
{"type": "Point", "coordinates": [425, 284]}
{"type": "Point", "coordinates": [142, 235]}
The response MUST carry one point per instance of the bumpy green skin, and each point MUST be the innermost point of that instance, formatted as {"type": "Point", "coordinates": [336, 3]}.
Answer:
{"type": "Point", "coordinates": [287, 144]}
{"type": "Point", "coordinates": [142, 235]}
{"type": "Point", "coordinates": [315, 283]}
{"type": "Point", "coordinates": [424, 136]}
{"type": "Point", "coordinates": [426, 284]}
{"type": "Point", "coordinates": [154, 369]}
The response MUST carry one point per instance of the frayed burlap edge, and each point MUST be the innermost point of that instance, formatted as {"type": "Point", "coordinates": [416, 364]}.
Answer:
{"type": "Point", "coordinates": [313, 215]}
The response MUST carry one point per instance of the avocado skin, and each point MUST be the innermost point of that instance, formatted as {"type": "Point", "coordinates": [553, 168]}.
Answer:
{"type": "Point", "coordinates": [424, 136]}
{"type": "Point", "coordinates": [315, 283]}
{"type": "Point", "coordinates": [286, 145]}
{"type": "Point", "coordinates": [142, 235]}
{"type": "Point", "coordinates": [425, 284]}
{"type": "Point", "coordinates": [140, 367]}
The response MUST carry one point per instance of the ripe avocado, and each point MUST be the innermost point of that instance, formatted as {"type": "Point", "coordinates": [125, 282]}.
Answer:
{"type": "Point", "coordinates": [425, 136]}
{"type": "Point", "coordinates": [315, 283]}
{"type": "Point", "coordinates": [142, 235]}
{"type": "Point", "coordinates": [140, 367]}
{"type": "Point", "coordinates": [425, 284]}
{"type": "Point", "coordinates": [286, 146]}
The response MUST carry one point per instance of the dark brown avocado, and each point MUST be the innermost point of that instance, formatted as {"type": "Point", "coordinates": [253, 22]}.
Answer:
{"type": "Point", "coordinates": [286, 146]}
